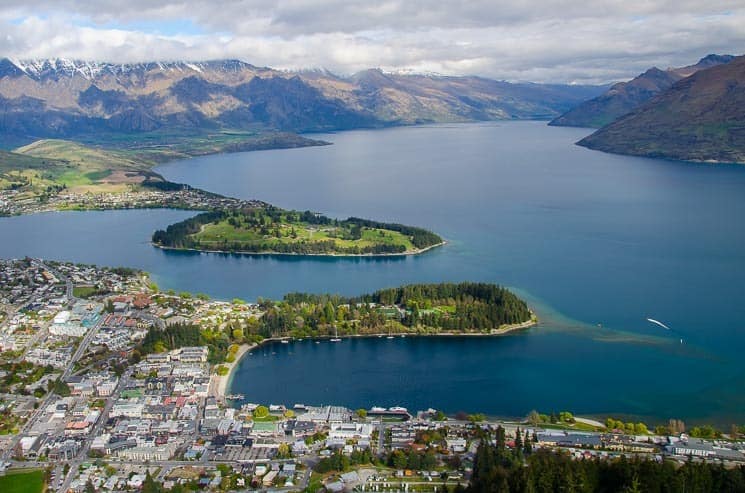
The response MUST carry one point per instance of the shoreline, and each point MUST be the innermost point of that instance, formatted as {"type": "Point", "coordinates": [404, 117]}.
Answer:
{"type": "Point", "coordinates": [219, 385]}
{"type": "Point", "coordinates": [290, 254]}
{"type": "Point", "coordinates": [222, 382]}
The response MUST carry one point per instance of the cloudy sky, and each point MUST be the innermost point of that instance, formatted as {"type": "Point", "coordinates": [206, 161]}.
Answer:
{"type": "Point", "coordinates": [527, 40]}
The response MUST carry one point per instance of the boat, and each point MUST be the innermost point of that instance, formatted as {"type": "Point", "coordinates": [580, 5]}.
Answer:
{"type": "Point", "coordinates": [376, 409]}
{"type": "Point", "coordinates": [285, 341]}
{"type": "Point", "coordinates": [336, 336]}
{"type": "Point", "coordinates": [318, 342]}
{"type": "Point", "coordinates": [389, 337]}
{"type": "Point", "coordinates": [657, 322]}
{"type": "Point", "coordinates": [397, 409]}
{"type": "Point", "coordinates": [235, 397]}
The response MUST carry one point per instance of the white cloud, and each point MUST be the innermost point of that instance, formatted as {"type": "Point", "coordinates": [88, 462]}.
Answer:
{"type": "Point", "coordinates": [543, 41]}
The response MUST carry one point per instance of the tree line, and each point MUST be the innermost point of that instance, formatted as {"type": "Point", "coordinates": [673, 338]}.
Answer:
{"type": "Point", "coordinates": [520, 469]}
{"type": "Point", "coordinates": [463, 307]}
{"type": "Point", "coordinates": [266, 222]}
{"type": "Point", "coordinates": [185, 335]}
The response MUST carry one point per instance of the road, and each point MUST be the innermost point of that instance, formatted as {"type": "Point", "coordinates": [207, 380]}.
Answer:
{"type": "Point", "coordinates": [69, 293]}
{"type": "Point", "coordinates": [82, 347]}
{"type": "Point", "coordinates": [83, 453]}
{"type": "Point", "coordinates": [29, 424]}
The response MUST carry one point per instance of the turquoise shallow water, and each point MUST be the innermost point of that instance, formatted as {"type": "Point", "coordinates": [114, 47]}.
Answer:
{"type": "Point", "coordinates": [589, 238]}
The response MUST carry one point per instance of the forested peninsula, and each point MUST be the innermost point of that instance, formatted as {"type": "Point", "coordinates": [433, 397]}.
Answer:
{"type": "Point", "coordinates": [464, 308]}
{"type": "Point", "coordinates": [418, 309]}
{"type": "Point", "coordinates": [272, 230]}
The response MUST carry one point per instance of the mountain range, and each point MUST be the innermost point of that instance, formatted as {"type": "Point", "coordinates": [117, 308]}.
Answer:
{"type": "Point", "coordinates": [699, 118]}
{"type": "Point", "coordinates": [68, 98]}
{"type": "Point", "coordinates": [624, 97]}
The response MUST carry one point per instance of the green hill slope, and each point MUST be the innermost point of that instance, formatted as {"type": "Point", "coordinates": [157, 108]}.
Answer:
{"type": "Point", "coordinates": [700, 118]}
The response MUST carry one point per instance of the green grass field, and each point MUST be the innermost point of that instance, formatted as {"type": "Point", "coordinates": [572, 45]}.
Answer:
{"type": "Point", "coordinates": [49, 164]}
{"type": "Point", "coordinates": [119, 163]}
{"type": "Point", "coordinates": [23, 482]}
{"type": "Point", "coordinates": [83, 291]}
{"type": "Point", "coordinates": [216, 235]}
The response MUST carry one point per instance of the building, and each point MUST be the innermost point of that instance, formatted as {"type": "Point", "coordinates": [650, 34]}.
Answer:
{"type": "Point", "coordinates": [160, 453]}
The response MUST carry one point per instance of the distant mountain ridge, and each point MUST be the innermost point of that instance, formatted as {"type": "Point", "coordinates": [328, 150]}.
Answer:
{"type": "Point", "coordinates": [700, 118]}
{"type": "Point", "coordinates": [63, 98]}
{"type": "Point", "coordinates": [624, 97]}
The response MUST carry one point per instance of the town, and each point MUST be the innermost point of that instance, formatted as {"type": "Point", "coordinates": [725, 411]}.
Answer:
{"type": "Point", "coordinates": [90, 397]}
{"type": "Point", "coordinates": [139, 197]}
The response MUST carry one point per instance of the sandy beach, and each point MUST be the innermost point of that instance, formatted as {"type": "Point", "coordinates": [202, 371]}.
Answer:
{"type": "Point", "coordinates": [218, 383]}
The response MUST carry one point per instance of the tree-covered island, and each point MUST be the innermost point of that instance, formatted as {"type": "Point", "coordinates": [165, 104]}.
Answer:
{"type": "Point", "coordinates": [273, 230]}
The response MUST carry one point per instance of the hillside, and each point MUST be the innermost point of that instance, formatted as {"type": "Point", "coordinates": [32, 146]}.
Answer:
{"type": "Point", "coordinates": [700, 118]}
{"type": "Point", "coordinates": [624, 97]}
{"type": "Point", "coordinates": [69, 99]}
{"type": "Point", "coordinates": [46, 167]}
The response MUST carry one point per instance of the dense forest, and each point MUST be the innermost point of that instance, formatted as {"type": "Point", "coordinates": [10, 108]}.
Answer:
{"type": "Point", "coordinates": [420, 308]}
{"type": "Point", "coordinates": [275, 230]}
{"type": "Point", "coordinates": [414, 309]}
{"type": "Point", "coordinates": [521, 470]}
{"type": "Point", "coordinates": [185, 335]}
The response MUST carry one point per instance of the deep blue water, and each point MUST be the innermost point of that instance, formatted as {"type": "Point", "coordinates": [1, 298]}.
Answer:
{"type": "Point", "coordinates": [589, 238]}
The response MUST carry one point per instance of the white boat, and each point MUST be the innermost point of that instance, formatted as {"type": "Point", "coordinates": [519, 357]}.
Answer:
{"type": "Point", "coordinates": [285, 341]}
{"type": "Point", "coordinates": [377, 409]}
{"type": "Point", "coordinates": [397, 409]}
{"type": "Point", "coordinates": [336, 336]}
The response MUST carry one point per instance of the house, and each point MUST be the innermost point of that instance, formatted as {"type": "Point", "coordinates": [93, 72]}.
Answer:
{"type": "Point", "coordinates": [456, 445]}
{"type": "Point", "coordinates": [692, 447]}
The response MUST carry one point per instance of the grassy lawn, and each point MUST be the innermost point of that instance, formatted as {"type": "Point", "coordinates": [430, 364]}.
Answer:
{"type": "Point", "coordinates": [213, 235]}
{"type": "Point", "coordinates": [577, 426]}
{"type": "Point", "coordinates": [83, 291]}
{"type": "Point", "coordinates": [39, 167]}
{"type": "Point", "coordinates": [23, 482]}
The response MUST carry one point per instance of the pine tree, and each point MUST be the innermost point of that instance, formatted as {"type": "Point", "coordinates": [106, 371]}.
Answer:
{"type": "Point", "coordinates": [518, 439]}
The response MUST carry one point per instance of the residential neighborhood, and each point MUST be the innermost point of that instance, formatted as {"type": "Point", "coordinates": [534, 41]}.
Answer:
{"type": "Point", "coordinates": [85, 400]}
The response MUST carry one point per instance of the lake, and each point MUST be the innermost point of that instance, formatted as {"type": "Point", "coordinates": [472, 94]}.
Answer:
{"type": "Point", "coordinates": [597, 243]}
